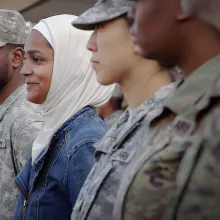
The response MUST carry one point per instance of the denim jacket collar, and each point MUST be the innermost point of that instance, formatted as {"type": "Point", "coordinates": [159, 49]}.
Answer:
{"type": "Point", "coordinates": [69, 124]}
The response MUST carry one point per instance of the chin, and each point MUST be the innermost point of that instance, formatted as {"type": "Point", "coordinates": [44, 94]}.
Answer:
{"type": "Point", "coordinates": [34, 100]}
{"type": "Point", "coordinates": [102, 80]}
{"type": "Point", "coordinates": [105, 81]}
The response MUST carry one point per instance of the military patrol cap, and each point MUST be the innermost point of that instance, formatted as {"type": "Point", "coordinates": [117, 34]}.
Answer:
{"type": "Point", "coordinates": [12, 28]}
{"type": "Point", "coordinates": [104, 10]}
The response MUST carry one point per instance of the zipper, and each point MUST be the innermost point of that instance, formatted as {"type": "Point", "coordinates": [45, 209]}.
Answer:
{"type": "Point", "coordinates": [24, 209]}
{"type": "Point", "coordinates": [26, 199]}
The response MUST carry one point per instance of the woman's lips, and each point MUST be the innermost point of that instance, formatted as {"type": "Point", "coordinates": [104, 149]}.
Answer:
{"type": "Point", "coordinates": [94, 63]}
{"type": "Point", "coordinates": [30, 85]}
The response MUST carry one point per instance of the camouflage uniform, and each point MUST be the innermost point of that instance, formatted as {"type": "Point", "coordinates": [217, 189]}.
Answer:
{"type": "Point", "coordinates": [113, 154]}
{"type": "Point", "coordinates": [12, 28]}
{"type": "Point", "coordinates": [19, 121]}
{"type": "Point", "coordinates": [19, 125]}
{"type": "Point", "coordinates": [176, 175]}
{"type": "Point", "coordinates": [113, 118]}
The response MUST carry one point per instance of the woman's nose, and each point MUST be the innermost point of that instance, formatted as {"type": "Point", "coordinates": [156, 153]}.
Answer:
{"type": "Point", "coordinates": [91, 45]}
{"type": "Point", "coordinates": [26, 70]}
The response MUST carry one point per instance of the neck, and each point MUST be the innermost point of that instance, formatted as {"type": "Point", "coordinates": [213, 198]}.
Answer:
{"type": "Point", "coordinates": [201, 46]}
{"type": "Point", "coordinates": [16, 81]}
{"type": "Point", "coordinates": [109, 111]}
{"type": "Point", "coordinates": [143, 81]}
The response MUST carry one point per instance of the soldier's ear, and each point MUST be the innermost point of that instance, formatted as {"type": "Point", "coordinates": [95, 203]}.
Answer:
{"type": "Point", "coordinates": [134, 47]}
{"type": "Point", "coordinates": [17, 57]}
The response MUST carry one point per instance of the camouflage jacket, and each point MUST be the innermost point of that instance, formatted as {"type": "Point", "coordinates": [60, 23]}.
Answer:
{"type": "Point", "coordinates": [176, 176]}
{"type": "Point", "coordinates": [113, 154]}
{"type": "Point", "coordinates": [19, 125]}
{"type": "Point", "coordinates": [113, 118]}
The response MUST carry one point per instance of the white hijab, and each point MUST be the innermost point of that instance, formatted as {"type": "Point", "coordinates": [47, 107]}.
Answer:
{"type": "Point", "coordinates": [73, 84]}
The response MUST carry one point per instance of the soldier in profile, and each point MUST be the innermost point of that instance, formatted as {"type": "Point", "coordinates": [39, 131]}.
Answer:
{"type": "Point", "coordinates": [176, 175]}
{"type": "Point", "coordinates": [144, 83]}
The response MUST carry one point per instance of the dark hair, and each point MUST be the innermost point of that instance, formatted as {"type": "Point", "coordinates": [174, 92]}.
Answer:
{"type": "Point", "coordinates": [128, 20]}
{"type": "Point", "coordinates": [116, 102]}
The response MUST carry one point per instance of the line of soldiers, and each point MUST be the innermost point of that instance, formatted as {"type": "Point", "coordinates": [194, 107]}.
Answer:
{"type": "Point", "coordinates": [160, 160]}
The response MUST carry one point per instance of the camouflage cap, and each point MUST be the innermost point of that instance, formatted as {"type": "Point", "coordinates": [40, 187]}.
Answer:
{"type": "Point", "coordinates": [12, 28]}
{"type": "Point", "coordinates": [104, 10]}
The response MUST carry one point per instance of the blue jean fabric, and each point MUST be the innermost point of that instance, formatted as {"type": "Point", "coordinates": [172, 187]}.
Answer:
{"type": "Point", "coordinates": [49, 188]}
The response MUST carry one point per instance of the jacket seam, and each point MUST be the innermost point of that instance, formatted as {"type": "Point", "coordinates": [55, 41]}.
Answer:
{"type": "Point", "coordinates": [21, 185]}
{"type": "Point", "coordinates": [78, 146]}
{"type": "Point", "coordinates": [46, 179]}
{"type": "Point", "coordinates": [72, 123]}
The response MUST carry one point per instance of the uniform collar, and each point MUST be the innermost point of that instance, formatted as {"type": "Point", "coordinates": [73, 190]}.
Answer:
{"type": "Point", "coordinates": [194, 87]}
{"type": "Point", "coordinates": [10, 100]}
{"type": "Point", "coordinates": [115, 136]}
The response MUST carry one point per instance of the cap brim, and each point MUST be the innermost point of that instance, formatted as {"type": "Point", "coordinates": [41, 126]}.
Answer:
{"type": "Point", "coordinates": [99, 14]}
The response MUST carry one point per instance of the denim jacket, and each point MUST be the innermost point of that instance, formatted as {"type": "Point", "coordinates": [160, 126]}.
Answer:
{"type": "Point", "coordinates": [49, 188]}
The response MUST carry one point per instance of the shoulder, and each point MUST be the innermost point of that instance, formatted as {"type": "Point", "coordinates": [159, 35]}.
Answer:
{"type": "Point", "coordinates": [24, 110]}
{"type": "Point", "coordinates": [89, 125]}
{"type": "Point", "coordinates": [23, 114]}
{"type": "Point", "coordinates": [200, 170]}
{"type": "Point", "coordinates": [88, 130]}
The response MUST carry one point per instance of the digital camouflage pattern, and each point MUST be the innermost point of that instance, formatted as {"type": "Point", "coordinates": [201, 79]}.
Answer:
{"type": "Point", "coordinates": [12, 28]}
{"type": "Point", "coordinates": [20, 123]}
{"type": "Point", "coordinates": [176, 175]}
{"type": "Point", "coordinates": [113, 154]}
{"type": "Point", "coordinates": [113, 118]}
{"type": "Point", "coordinates": [104, 10]}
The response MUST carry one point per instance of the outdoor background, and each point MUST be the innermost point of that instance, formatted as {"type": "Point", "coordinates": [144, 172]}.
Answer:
{"type": "Point", "coordinates": [34, 10]}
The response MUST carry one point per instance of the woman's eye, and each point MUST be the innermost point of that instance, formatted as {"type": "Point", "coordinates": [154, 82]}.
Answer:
{"type": "Point", "coordinates": [36, 60]}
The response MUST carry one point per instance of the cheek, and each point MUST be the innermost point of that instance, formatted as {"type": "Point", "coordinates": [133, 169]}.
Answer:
{"type": "Point", "coordinates": [35, 94]}
{"type": "Point", "coordinates": [113, 72]}
{"type": "Point", "coordinates": [44, 74]}
{"type": "Point", "coordinates": [38, 93]}
{"type": "Point", "coordinates": [114, 53]}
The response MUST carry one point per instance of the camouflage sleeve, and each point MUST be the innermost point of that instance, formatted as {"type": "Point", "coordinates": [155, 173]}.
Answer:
{"type": "Point", "coordinates": [22, 142]}
{"type": "Point", "coordinates": [197, 195]}
{"type": "Point", "coordinates": [150, 189]}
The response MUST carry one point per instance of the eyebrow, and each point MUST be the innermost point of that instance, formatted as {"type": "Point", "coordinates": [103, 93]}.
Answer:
{"type": "Point", "coordinates": [33, 52]}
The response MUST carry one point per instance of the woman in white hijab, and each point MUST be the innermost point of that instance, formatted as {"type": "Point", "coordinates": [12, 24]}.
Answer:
{"type": "Point", "coordinates": [59, 78]}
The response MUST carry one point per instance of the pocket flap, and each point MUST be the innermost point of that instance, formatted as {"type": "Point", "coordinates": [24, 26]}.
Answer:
{"type": "Point", "coordinates": [2, 144]}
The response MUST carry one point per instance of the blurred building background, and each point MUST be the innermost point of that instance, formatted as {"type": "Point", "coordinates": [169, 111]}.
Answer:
{"type": "Point", "coordinates": [34, 10]}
